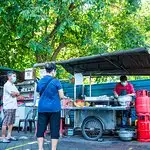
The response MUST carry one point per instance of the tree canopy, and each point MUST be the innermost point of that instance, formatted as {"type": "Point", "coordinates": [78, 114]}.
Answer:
{"type": "Point", "coordinates": [44, 30]}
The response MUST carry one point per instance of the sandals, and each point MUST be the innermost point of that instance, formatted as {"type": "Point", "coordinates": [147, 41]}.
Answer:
{"type": "Point", "coordinates": [5, 140]}
{"type": "Point", "coordinates": [12, 139]}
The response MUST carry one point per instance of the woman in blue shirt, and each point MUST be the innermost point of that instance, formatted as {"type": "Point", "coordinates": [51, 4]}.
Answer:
{"type": "Point", "coordinates": [49, 107]}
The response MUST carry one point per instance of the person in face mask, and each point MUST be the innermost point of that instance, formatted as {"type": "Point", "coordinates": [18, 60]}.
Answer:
{"type": "Point", "coordinates": [10, 94]}
{"type": "Point", "coordinates": [121, 89]}
{"type": "Point", "coordinates": [124, 88]}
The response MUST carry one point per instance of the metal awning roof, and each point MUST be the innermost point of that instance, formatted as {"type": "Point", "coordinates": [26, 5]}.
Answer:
{"type": "Point", "coordinates": [127, 62]}
{"type": "Point", "coordinates": [5, 69]}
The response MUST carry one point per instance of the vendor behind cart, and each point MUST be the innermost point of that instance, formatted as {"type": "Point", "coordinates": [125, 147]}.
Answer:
{"type": "Point", "coordinates": [124, 88]}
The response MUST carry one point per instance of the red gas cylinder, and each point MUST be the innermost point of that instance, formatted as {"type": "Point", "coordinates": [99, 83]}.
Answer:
{"type": "Point", "coordinates": [142, 103]}
{"type": "Point", "coordinates": [143, 129]}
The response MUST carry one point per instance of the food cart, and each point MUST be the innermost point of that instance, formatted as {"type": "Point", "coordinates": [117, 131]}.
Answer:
{"type": "Point", "coordinates": [94, 120]}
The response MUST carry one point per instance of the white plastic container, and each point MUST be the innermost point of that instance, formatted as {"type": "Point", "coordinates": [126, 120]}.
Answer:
{"type": "Point", "coordinates": [124, 100]}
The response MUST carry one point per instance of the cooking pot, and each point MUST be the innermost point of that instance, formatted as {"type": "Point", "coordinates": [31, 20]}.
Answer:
{"type": "Point", "coordinates": [126, 135]}
{"type": "Point", "coordinates": [124, 100]}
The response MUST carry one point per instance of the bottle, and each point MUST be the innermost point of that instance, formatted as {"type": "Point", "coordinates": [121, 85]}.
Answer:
{"type": "Point", "coordinates": [67, 120]}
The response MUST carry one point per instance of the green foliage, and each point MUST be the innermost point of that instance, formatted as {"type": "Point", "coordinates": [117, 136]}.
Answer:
{"type": "Point", "coordinates": [44, 30]}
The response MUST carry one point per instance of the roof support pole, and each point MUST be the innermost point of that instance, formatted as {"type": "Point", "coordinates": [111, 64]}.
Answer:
{"type": "Point", "coordinates": [90, 86]}
{"type": "Point", "coordinates": [75, 89]}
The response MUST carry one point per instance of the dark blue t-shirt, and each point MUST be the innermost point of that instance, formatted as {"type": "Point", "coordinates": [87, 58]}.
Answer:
{"type": "Point", "coordinates": [49, 100]}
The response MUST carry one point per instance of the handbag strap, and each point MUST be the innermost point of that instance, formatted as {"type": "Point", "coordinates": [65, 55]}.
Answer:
{"type": "Point", "coordinates": [45, 87]}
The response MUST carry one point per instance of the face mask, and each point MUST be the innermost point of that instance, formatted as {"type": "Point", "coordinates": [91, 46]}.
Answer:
{"type": "Point", "coordinates": [124, 83]}
{"type": "Point", "coordinates": [13, 79]}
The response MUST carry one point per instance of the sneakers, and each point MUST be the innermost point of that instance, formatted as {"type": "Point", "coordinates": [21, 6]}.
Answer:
{"type": "Point", "coordinates": [4, 140]}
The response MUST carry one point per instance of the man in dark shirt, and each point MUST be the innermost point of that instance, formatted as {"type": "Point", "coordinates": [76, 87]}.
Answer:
{"type": "Point", "coordinates": [49, 107]}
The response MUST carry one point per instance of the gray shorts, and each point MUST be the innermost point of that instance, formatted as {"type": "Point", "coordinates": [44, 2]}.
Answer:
{"type": "Point", "coordinates": [9, 117]}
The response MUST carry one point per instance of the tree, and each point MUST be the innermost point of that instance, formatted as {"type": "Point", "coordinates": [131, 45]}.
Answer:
{"type": "Point", "coordinates": [43, 30]}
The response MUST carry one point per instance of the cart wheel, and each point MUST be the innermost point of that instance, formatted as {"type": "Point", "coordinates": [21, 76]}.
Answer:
{"type": "Point", "coordinates": [92, 129]}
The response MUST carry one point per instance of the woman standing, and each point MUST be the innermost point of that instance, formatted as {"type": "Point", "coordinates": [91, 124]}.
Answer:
{"type": "Point", "coordinates": [49, 108]}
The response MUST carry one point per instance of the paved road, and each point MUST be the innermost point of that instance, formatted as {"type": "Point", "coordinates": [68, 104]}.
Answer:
{"type": "Point", "coordinates": [75, 143]}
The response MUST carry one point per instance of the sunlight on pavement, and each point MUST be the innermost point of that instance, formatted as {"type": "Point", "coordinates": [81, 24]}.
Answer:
{"type": "Point", "coordinates": [22, 145]}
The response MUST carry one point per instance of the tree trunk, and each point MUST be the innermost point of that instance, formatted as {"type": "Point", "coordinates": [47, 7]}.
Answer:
{"type": "Point", "coordinates": [61, 45]}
